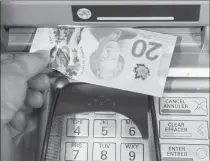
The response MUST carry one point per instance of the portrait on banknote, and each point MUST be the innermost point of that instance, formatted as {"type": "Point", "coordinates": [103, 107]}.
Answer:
{"type": "Point", "coordinates": [107, 62]}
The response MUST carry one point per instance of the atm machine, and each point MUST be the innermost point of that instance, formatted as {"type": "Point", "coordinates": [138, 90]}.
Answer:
{"type": "Point", "coordinates": [104, 124]}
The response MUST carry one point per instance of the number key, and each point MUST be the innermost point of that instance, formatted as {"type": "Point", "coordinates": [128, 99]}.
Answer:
{"type": "Point", "coordinates": [78, 127]}
{"type": "Point", "coordinates": [76, 151]}
{"type": "Point", "coordinates": [129, 129]}
{"type": "Point", "coordinates": [132, 152]}
{"type": "Point", "coordinates": [104, 152]}
{"type": "Point", "coordinates": [104, 128]}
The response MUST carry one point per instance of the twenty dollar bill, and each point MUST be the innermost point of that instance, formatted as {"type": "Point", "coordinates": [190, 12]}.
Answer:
{"type": "Point", "coordinates": [129, 59]}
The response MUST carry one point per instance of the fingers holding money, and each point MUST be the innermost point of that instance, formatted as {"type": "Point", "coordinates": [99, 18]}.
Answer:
{"type": "Point", "coordinates": [34, 99]}
{"type": "Point", "coordinates": [37, 84]}
{"type": "Point", "coordinates": [15, 72]}
{"type": "Point", "coordinates": [40, 82]}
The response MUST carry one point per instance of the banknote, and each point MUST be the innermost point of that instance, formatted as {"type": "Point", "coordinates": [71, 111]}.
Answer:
{"type": "Point", "coordinates": [62, 44]}
{"type": "Point", "coordinates": [124, 58]}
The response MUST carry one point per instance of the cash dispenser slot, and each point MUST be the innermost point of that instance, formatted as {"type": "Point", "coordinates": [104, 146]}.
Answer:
{"type": "Point", "coordinates": [189, 38]}
{"type": "Point", "coordinates": [189, 59]}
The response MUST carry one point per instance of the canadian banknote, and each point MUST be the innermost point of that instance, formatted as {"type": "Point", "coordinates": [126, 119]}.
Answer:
{"type": "Point", "coordinates": [124, 58]}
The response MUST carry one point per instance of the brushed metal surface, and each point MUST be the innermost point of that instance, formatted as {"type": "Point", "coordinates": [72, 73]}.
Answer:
{"type": "Point", "coordinates": [24, 13]}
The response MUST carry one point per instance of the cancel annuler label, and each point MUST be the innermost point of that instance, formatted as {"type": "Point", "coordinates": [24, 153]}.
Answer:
{"type": "Point", "coordinates": [183, 106]}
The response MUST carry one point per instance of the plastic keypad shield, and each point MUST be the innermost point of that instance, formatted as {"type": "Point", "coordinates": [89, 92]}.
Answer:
{"type": "Point", "coordinates": [89, 125]}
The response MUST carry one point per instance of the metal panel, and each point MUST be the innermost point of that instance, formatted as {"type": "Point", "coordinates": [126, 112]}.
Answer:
{"type": "Point", "coordinates": [52, 13]}
{"type": "Point", "coordinates": [136, 13]}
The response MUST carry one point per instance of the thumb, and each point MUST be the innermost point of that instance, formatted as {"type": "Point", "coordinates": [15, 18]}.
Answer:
{"type": "Point", "coordinates": [34, 63]}
{"type": "Point", "coordinates": [27, 64]}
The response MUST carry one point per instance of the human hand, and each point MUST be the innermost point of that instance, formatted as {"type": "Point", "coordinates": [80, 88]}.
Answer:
{"type": "Point", "coordinates": [21, 85]}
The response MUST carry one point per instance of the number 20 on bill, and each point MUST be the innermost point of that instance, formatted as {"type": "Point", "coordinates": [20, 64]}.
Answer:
{"type": "Point", "coordinates": [144, 51]}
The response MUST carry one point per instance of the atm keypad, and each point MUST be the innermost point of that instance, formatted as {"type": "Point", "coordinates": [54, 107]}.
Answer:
{"type": "Point", "coordinates": [183, 126]}
{"type": "Point", "coordinates": [102, 136]}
